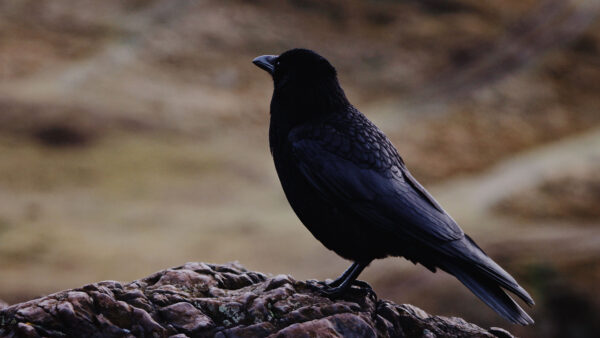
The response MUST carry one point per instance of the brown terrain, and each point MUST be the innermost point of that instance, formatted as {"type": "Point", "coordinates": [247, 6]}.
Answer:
{"type": "Point", "coordinates": [133, 138]}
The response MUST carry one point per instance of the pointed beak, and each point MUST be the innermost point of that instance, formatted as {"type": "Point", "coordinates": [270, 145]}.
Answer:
{"type": "Point", "coordinates": [266, 63]}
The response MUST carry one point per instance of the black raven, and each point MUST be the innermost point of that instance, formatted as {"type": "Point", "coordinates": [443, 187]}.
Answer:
{"type": "Point", "coordinates": [348, 185]}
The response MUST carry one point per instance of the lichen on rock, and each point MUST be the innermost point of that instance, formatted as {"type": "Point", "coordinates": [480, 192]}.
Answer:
{"type": "Point", "coordinates": [206, 300]}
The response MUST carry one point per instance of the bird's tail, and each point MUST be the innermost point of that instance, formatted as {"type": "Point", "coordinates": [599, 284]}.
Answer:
{"type": "Point", "coordinates": [486, 280]}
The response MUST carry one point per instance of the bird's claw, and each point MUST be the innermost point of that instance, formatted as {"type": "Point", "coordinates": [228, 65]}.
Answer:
{"type": "Point", "coordinates": [334, 291]}
{"type": "Point", "coordinates": [362, 284]}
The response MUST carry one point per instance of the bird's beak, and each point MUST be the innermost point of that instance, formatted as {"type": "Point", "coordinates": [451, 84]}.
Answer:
{"type": "Point", "coordinates": [266, 63]}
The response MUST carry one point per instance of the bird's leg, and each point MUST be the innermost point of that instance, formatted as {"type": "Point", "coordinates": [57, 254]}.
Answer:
{"type": "Point", "coordinates": [345, 275]}
{"type": "Point", "coordinates": [348, 277]}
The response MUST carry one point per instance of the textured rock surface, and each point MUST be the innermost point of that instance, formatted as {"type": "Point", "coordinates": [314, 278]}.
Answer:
{"type": "Point", "coordinates": [198, 300]}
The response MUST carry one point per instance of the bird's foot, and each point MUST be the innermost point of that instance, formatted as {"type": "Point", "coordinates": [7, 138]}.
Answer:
{"type": "Point", "coordinates": [337, 283]}
{"type": "Point", "coordinates": [334, 290]}
{"type": "Point", "coordinates": [362, 284]}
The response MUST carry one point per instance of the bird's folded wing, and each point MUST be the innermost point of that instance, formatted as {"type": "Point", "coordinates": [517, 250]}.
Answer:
{"type": "Point", "coordinates": [389, 199]}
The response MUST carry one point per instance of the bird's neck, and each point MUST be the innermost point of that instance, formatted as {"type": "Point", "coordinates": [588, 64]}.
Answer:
{"type": "Point", "coordinates": [295, 105]}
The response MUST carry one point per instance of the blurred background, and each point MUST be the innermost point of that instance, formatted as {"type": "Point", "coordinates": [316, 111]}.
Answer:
{"type": "Point", "coordinates": [133, 137]}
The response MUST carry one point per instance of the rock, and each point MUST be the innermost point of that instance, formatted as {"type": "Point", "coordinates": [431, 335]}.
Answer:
{"type": "Point", "coordinates": [206, 300]}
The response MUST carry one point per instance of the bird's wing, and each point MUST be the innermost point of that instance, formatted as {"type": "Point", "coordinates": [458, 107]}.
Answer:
{"type": "Point", "coordinates": [363, 175]}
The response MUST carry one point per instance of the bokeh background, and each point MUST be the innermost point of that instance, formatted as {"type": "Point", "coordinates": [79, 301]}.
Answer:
{"type": "Point", "coordinates": [133, 137]}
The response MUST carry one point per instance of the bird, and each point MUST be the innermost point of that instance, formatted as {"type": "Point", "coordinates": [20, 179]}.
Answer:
{"type": "Point", "coordinates": [349, 186]}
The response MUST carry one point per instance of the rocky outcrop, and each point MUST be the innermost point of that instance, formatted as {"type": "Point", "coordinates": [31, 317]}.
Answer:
{"type": "Point", "coordinates": [205, 300]}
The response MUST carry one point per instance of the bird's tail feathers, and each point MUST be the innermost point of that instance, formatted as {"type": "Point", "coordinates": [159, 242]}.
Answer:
{"type": "Point", "coordinates": [488, 289]}
{"type": "Point", "coordinates": [492, 270]}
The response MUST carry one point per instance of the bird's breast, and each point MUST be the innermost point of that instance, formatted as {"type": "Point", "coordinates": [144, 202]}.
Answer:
{"type": "Point", "coordinates": [335, 226]}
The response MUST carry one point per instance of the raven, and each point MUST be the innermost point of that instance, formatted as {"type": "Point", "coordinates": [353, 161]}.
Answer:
{"type": "Point", "coordinates": [349, 186]}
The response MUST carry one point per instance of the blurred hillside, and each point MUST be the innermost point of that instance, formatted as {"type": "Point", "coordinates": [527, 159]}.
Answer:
{"type": "Point", "coordinates": [133, 137]}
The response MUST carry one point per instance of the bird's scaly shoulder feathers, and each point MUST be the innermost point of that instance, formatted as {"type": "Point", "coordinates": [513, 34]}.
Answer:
{"type": "Point", "coordinates": [353, 165]}
{"type": "Point", "coordinates": [353, 137]}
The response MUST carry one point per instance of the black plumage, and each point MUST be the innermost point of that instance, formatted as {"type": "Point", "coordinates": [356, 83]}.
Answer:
{"type": "Point", "coordinates": [351, 189]}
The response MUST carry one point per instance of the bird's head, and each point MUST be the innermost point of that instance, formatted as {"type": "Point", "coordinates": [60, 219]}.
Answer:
{"type": "Point", "coordinates": [303, 80]}
{"type": "Point", "coordinates": [296, 67]}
